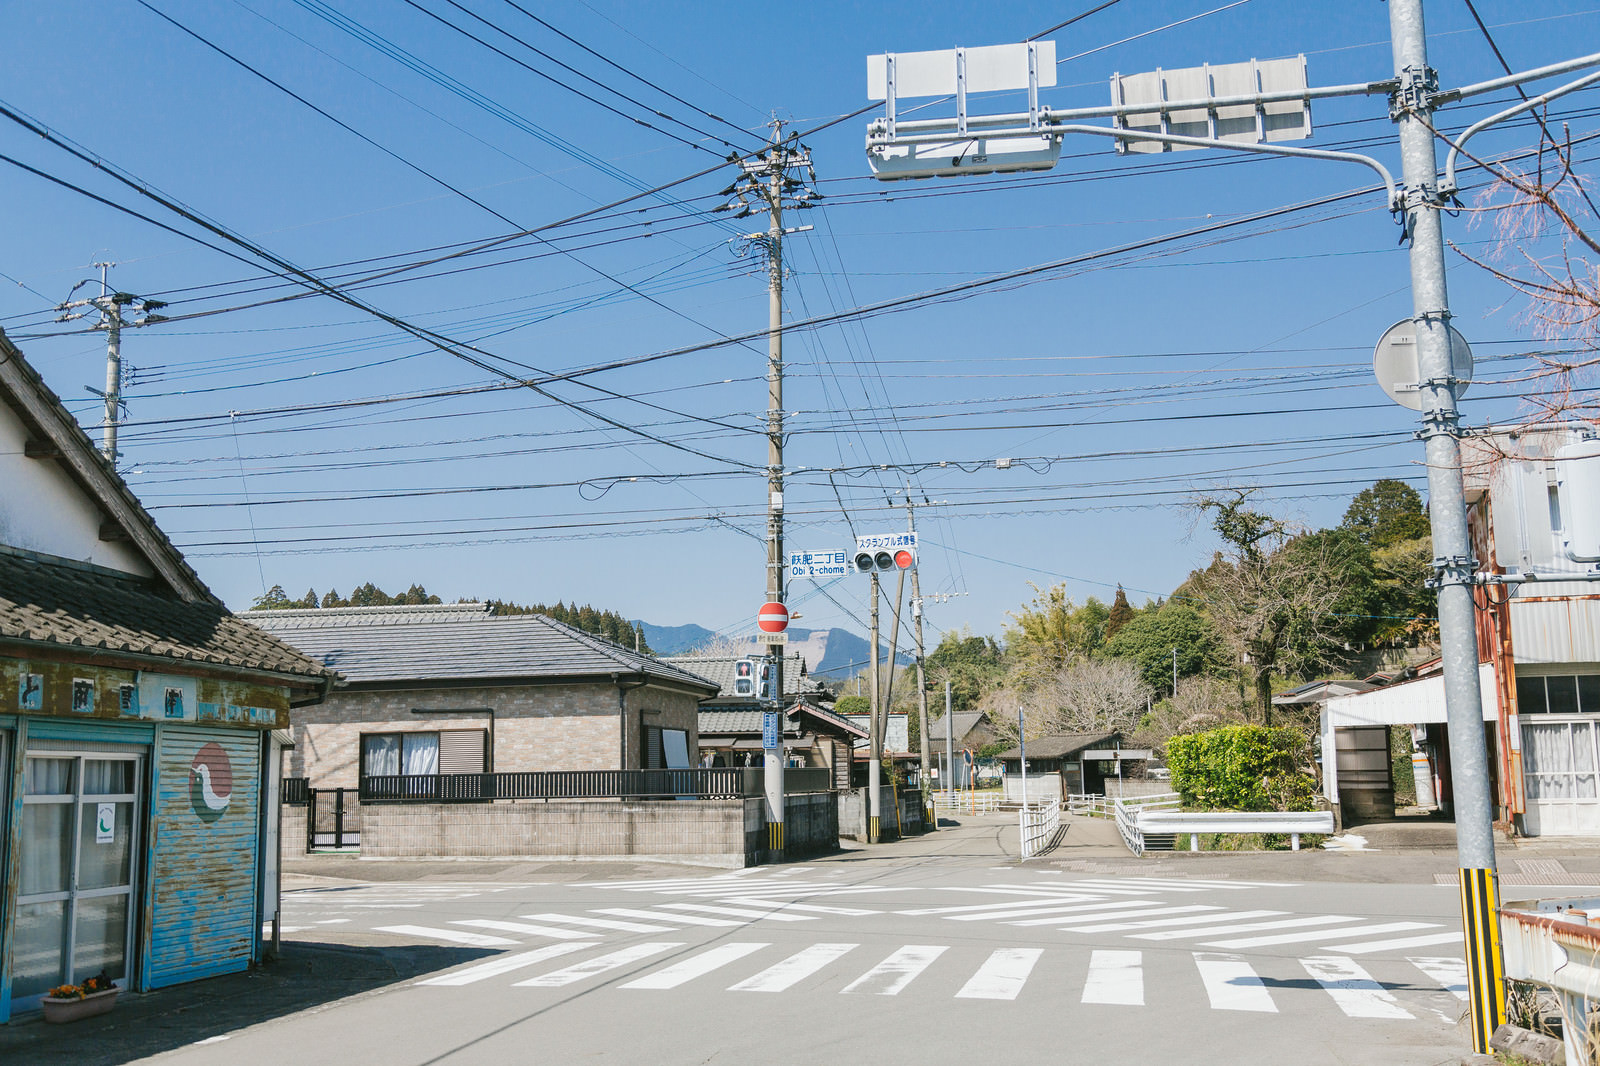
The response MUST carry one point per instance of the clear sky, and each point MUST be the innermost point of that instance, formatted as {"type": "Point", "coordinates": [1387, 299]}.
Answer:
{"type": "Point", "coordinates": [286, 438]}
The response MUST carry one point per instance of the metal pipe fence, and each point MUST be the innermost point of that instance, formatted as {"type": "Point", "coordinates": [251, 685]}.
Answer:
{"type": "Point", "coordinates": [1039, 826]}
{"type": "Point", "coordinates": [966, 801]}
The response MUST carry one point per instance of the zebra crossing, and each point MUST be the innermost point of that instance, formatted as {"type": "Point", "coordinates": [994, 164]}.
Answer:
{"type": "Point", "coordinates": [1156, 910]}
{"type": "Point", "coordinates": [1415, 986]}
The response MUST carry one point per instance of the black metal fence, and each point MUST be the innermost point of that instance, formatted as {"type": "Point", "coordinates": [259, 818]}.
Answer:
{"type": "Point", "coordinates": [700, 783]}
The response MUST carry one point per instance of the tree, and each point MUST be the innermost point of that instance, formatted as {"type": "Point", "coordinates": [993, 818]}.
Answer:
{"type": "Point", "coordinates": [1387, 512]}
{"type": "Point", "coordinates": [853, 705]}
{"type": "Point", "coordinates": [1150, 636]}
{"type": "Point", "coordinates": [971, 664]}
{"type": "Point", "coordinates": [1274, 595]}
{"type": "Point", "coordinates": [1200, 703]}
{"type": "Point", "coordinates": [274, 599]}
{"type": "Point", "coordinates": [1121, 614]}
{"type": "Point", "coordinates": [1051, 630]}
{"type": "Point", "coordinates": [1083, 696]}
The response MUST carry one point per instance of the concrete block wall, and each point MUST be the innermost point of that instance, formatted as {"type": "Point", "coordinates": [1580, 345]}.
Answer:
{"type": "Point", "coordinates": [707, 832]}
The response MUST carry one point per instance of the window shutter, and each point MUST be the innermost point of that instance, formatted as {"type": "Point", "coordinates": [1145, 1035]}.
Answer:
{"type": "Point", "coordinates": [653, 757]}
{"type": "Point", "coordinates": [461, 751]}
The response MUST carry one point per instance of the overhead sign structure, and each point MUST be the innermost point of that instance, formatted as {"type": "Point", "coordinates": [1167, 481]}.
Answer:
{"type": "Point", "coordinates": [773, 617]}
{"type": "Point", "coordinates": [1247, 121]}
{"type": "Point", "coordinates": [817, 565]}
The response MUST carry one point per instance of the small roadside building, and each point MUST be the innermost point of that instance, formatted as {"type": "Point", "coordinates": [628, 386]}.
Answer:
{"type": "Point", "coordinates": [139, 726]}
{"type": "Point", "coordinates": [1083, 761]}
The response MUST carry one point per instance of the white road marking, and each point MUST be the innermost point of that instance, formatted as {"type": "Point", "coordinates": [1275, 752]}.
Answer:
{"type": "Point", "coordinates": [600, 923]}
{"type": "Point", "coordinates": [1323, 935]}
{"type": "Point", "coordinates": [1401, 942]}
{"type": "Point", "coordinates": [1450, 973]}
{"type": "Point", "coordinates": [810, 908]}
{"type": "Point", "coordinates": [891, 976]}
{"type": "Point", "coordinates": [1153, 923]}
{"type": "Point", "coordinates": [1002, 975]}
{"type": "Point", "coordinates": [454, 936]}
{"type": "Point", "coordinates": [1077, 890]}
{"type": "Point", "coordinates": [1232, 984]}
{"type": "Point", "coordinates": [741, 912]}
{"type": "Point", "coordinates": [1043, 902]}
{"type": "Point", "coordinates": [524, 927]}
{"type": "Point", "coordinates": [1115, 977]}
{"type": "Point", "coordinates": [333, 921]}
{"type": "Point", "coordinates": [1352, 988]}
{"type": "Point", "coordinates": [595, 966]}
{"type": "Point", "coordinates": [1131, 884]}
{"type": "Point", "coordinates": [695, 966]}
{"type": "Point", "coordinates": [1065, 925]}
{"type": "Point", "coordinates": [1174, 881]}
{"type": "Point", "coordinates": [1251, 927]}
{"type": "Point", "coordinates": [686, 919]}
{"type": "Point", "coordinates": [504, 964]}
{"type": "Point", "coordinates": [791, 971]}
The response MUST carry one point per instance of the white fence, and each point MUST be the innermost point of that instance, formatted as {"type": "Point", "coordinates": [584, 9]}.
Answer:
{"type": "Point", "coordinates": [1131, 812]}
{"type": "Point", "coordinates": [966, 802]}
{"type": "Point", "coordinates": [1039, 826]}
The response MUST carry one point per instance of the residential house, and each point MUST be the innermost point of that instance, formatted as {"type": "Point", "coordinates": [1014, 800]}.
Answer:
{"type": "Point", "coordinates": [137, 729]}
{"type": "Point", "coordinates": [453, 689]}
{"type": "Point", "coordinates": [1070, 755]}
{"type": "Point", "coordinates": [972, 733]}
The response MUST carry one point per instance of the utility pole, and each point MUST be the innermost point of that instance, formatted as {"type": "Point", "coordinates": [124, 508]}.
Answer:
{"type": "Point", "coordinates": [874, 735]}
{"type": "Point", "coordinates": [111, 306]}
{"type": "Point", "coordinates": [949, 742]}
{"type": "Point", "coordinates": [1411, 106]}
{"type": "Point", "coordinates": [922, 680]}
{"type": "Point", "coordinates": [770, 180]}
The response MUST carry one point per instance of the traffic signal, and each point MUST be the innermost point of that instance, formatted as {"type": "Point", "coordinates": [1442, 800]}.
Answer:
{"type": "Point", "coordinates": [744, 677]}
{"type": "Point", "coordinates": [766, 681]}
{"type": "Point", "coordinates": [871, 562]}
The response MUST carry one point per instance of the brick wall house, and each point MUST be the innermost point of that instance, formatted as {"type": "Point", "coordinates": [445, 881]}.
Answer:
{"type": "Point", "coordinates": [455, 689]}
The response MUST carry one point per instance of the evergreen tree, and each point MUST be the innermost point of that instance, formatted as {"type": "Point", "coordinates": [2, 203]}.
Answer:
{"type": "Point", "coordinates": [1121, 613]}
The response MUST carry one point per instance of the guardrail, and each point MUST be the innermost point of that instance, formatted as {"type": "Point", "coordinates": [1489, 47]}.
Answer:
{"type": "Point", "coordinates": [1039, 826]}
{"type": "Point", "coordinates": [1552, 942]}
{"type": "Point", "coordinates": [959, 801]}
{"type": "Point", "coordinates": [1293, 823]}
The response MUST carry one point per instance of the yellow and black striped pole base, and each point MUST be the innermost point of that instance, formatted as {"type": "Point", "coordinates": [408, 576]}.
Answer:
{"type": "Point", "coordinates": [775, 841]}
{"type": "Point", "coordinates": [1486, 985]}
{"type": "Point", "coordinates": [873, 830]}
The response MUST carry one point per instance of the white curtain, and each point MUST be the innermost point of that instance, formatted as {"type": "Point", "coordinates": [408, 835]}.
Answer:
{"type": "Point", "coordinates": [382, 755]}
{"type": "Point", "coordinates": [1583, 759]}
{"type": "Point", "coordinates": [1547, 760]}
{"type": "Point", "coordinates": [49, 777]}
{"type": "Point", "coordinates": [421, 754]}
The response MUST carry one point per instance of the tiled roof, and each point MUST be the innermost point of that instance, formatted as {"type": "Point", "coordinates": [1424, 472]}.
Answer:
{"type": "Point", "coordinates": [57, 602]}
{"type": "Point", "coordinates": [964, 721]}
{"type": "Point", "coordinates": [720, 721]}
{"type": "Point", "coordinates": [719, 668]}
{"type": "Point", "coordinates": [1062, 745]}
{"type": "Point", "coordinates": [451, 643]}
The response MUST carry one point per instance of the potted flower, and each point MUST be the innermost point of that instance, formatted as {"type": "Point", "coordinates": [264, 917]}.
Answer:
{"type": "Point", "coordinates": [68, 1003]}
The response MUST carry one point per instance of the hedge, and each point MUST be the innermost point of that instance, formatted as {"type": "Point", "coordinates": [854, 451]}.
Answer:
{"type": "Point", "coordinates": [1242, 768]}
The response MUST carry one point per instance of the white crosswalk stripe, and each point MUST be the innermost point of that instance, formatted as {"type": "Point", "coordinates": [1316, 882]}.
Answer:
{"type": "Point", "coordinates": [1400, 942]}
{"type": "Point", "coordinates": [594, 967]}
{"type": "Point", "coordinates": [1353, 989]}
{"type": "Point", "coordinates": [451, 936]}
{"type": "Point", "coordinates": [1231, 984]}
{"type": "Point", "coordinates": [504, 964]}
{"type": "Point", "coordinates": [680, 973]}
{"type": "Point", "coordinates": [1450, 973]}
{"type": "Point", "coordinates": [1115, 977]}
{"type": "Point", "coordinates": [1073, 924]}
{"type": "Point", "coordinates": [685, 919]}
{"type": "Point", "coordinates": [769, 914]}
{"type": "Point", "coordinates": [1252, 927]}
{"type": "Point", "coordinates": [809, 908]}
{"type": "Point", "coordinates": [1318, 935]}
{"type": "Point", "coordinates": [985, 909]}
{"type": "Point", "coordinates": [1002, 975]}
{"type": "Point", "coordinates": [599, 923]}
{"type": "Point", "coordinates": [527, 929]}
{"type": "Point", "coordinates": [794, 969]}
{"type": "Point", "coordinates": [893, 974]}
{"type": "Point", "coordinates": [1146, 922]}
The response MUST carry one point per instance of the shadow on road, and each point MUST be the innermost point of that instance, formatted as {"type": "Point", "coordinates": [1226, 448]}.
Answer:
{"type": "Point", "coordinates": [307, 975]}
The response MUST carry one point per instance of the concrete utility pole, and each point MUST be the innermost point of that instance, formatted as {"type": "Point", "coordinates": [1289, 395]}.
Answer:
{"type": "Point", "coordinates": [770, 181]}
{"type": "Point", "coordinates": [1411, 106]}
{"type": "Point", "coordinates": [111, 306]}
{"type": "Point", "coordinates": [949, 742]}
{"type": "Point", "coordinates": [874, 735]}
{"type": "Point", "coordinates": [922, 681]}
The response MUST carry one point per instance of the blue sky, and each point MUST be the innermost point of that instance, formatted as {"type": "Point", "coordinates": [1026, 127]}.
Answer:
{"type": "Point", "coordinates": [1120, 387]}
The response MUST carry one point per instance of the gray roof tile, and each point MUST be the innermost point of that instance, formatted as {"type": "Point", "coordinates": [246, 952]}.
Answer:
{"type": "Point", "coordinates": [458, 642]}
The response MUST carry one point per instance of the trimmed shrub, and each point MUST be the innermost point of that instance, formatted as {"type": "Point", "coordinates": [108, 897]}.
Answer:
{"type": "Point", "coordinates": [1242, 768]}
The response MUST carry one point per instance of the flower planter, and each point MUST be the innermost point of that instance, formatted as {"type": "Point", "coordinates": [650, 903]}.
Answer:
{"type": "Point", "coordinates": [70, 1010]}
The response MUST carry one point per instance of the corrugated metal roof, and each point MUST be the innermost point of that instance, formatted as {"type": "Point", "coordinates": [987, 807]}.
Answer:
{"type": "Point", "coordinates": [385, 645]}
{"type": "Point", "coordinates": [719, 668]}
{"type": "Point", "coordinates": [1559, 630]}
{"type": "Point", "coordinates": [1407, 703]}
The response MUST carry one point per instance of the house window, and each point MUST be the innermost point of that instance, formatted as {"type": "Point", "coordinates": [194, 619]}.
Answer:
{"type": "Point", "coordinates": [417, 754]}
{"type": "Point", "coordinates": [1559, 694]}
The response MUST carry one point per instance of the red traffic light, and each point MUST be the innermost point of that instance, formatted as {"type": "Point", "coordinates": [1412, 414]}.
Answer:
{"type": "Point", "coordinates": [904, 558]}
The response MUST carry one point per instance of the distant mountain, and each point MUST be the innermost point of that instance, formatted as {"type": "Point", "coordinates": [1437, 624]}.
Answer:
{"type": "Point", "coordinates": [830, 654]}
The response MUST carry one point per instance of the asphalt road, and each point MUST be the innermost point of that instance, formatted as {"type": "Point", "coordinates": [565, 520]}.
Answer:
{"type": "Point", "coordinates": [946, 952]}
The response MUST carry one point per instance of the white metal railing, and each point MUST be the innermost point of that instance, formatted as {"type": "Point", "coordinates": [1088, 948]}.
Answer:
{"type": "Point", "coordinates": [1039, 825]}
{"type": "Point", "coordinates": [1097, 806]}
{"type": "Point", "coordinates": [960, 801]}
{"type": "Point", "coordinates": [1291, 822]}
{"type": "Point", "coordinates": [1128, 826]}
